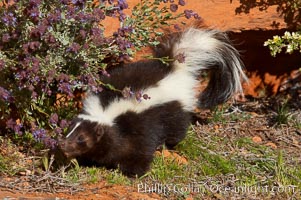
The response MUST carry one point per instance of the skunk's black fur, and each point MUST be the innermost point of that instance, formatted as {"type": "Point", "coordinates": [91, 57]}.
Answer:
{"type": "Point", "coordinates": [116, 132]}
{"type": "Point", "coordinates": [131, 143]}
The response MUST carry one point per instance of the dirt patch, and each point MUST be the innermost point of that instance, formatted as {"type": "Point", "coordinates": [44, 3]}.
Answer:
{"type": "Point", "coordinates": [100, 190]}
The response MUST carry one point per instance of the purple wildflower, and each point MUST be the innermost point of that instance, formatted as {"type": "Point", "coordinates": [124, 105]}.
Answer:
{"type": "Point", "coordinates": [54, 118]}
{"type": "Point", "coordinates": [78, 2]}
{"type": "Point", "coordinates": [138, 96]}
{"type": "Point", "coordinates": [124, 31]}
{"type": "Point", "coordinates": [64, 124]}
{"type": "Point", "coordinates": [31, 88]}
{"type": "Point", "coordinates": [39, 134]}
{"type": "Point", "coordinates": [122, 16]}
{"type": "Point", "coordinates": [96, 32]}
{"type": "Point", "coordinates": [34, 95]}
{"type": "Point", "coordinates": [146, 97]}
{"type": "Point", "coordinates": [34, 12]}
{"type": "Point", "coordinates": [75, 47]}
{"type": "Point", "coordinates": [99, 14]}
{"type": "Point", "coordinates": [173, 7]}
{"type": "Point", "coordinates": [104, 72]}
{"type": "Point", "coordinates": [50, 143]}
{"type": "Point", "coordinates": [66, 88]}
{"type": "Point", "coordinates": [15, 125]}
{"type": "Point", "coordinates": [4, 94]}
{"type": "Point", "coordinates": [54, 17]}
{"type": "Point", "coordinates": [127, 92]}
{"type": "Point", "coordinates": [65, 2]}
{"type": "Point", "coordinates": [30, 46]}
{"type": "Point", "coordinates": [123, 57]}
{"type": "Point", "coordinates": [180, 58]}
{"type": "Point", "coordinates": [188, 13]}
{"type": "Point", "coordinates": [97, 36]}
{"type": "Point", "coordinates": [83, 34]}
{"type": "Point", "coordinates": [9, 19]}
{"type": "Point", "coordinates": [2, 65]}
{"type": "Point", "coordinates": [82, 17]}
{"type": "Point", "coordinates": [10, 123]}
{"type": "Point", "coordinates": [63, 77]}
{"type": "Point", "coordinates": [34, 45]}
{"type": "Point", "coordinates": [123, 44]}
{"type": "Point", "coordinates": [50, 75]}
{"type": "Point", "coordinates": [70, 11]}
{"type": "Point", "coordinates": [49, 39]}
{"type": "Point", "coordinates": [196, 16]}
{"type": "Point", "coordinates": [5, 38]}
{"type": "Point", "coordinates": [182, 2]}
{"type": "Point", "coordinates": [177, 27]}
{"type": "Point", "coordinates": [38, 32]}
{"type": "Point", "coordinates": [34, 2]}
{"type": "Point", "coordinates": [58, 130]}
{"type": "Point", "coordinates": [15, 34]}
{"type": "Point", "coordinates": [122, 4]}
{"type": "Point", "coordinates": [35, 79]}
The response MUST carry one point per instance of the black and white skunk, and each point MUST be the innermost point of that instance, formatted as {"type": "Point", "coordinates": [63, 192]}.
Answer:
{"type": "Point", "coordinates": [124, 133]}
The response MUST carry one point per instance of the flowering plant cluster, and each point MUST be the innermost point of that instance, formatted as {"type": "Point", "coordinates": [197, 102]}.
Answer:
{"type": "Point", "coordinates": [49, 49]}
{"type": "Point", "coordinates": [289, 41]}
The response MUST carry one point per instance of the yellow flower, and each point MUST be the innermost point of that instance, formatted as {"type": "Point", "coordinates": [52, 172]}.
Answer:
{"type": "Point", "coordinates": [276, 38]}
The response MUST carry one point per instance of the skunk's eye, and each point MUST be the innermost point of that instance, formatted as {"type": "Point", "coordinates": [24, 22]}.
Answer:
{"type": "Point", "coordinates": [80, 139]}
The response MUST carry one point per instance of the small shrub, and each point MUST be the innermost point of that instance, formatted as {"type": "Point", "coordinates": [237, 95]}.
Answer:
{"type": "Point", "coordinates": [289, 41]}
{"type": "Point", "coordinates": [50, 49]}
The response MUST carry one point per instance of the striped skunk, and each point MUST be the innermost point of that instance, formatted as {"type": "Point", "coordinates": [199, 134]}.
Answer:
{"type": "Point", "coordinates": [118, 132]}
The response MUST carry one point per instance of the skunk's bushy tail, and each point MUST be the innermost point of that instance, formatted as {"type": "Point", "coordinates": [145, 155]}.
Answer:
{"type": "Point", "coordinates": [211, 50]}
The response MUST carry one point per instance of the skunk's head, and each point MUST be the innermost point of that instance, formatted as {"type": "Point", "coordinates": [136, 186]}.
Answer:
{"type": "Point", "coordinates": [82, 136]}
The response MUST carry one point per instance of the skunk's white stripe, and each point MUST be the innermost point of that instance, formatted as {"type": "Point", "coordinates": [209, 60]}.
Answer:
{"type": "Point", "coordinates": [178, 86]}
{"type": "Point", "coordinates": [93, 106]}
{"type": "Point", "coordinates": [201, 48]}
{"type": "Point", "coordinates": [76, 125]}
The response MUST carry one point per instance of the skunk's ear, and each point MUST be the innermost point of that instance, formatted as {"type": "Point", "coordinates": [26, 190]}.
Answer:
{"type": "Point", "coordinates": [99, 130]}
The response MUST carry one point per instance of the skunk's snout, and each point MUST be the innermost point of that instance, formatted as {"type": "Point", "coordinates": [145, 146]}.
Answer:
{"type": "Point", "coordinates": [62, 146]}
{"type": "Point", "coordinates": [61, 142]}
{"type": "Point", "coordinates": [68, 148]}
